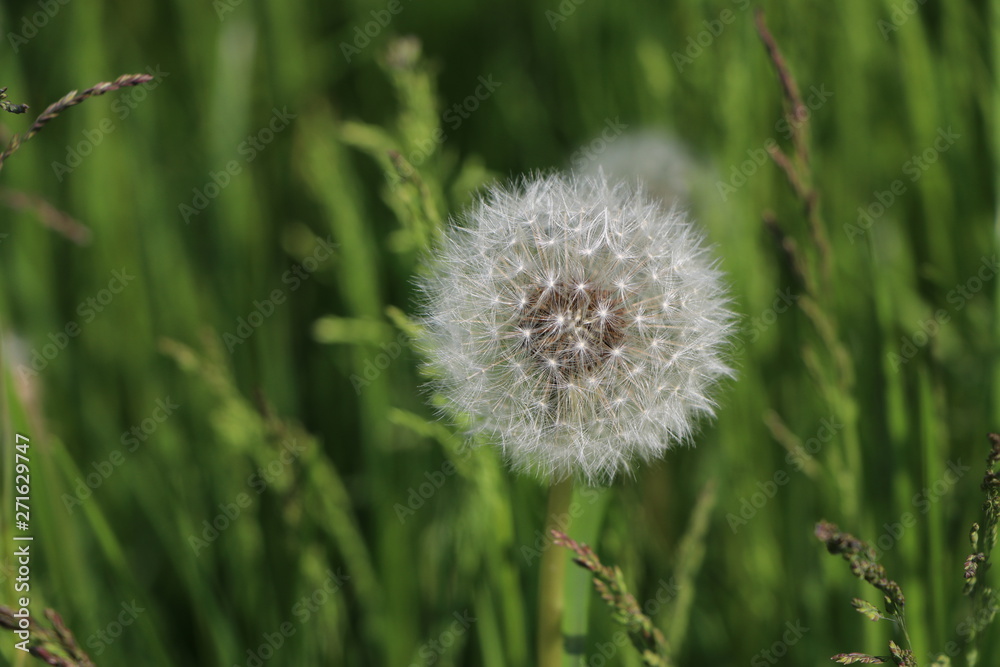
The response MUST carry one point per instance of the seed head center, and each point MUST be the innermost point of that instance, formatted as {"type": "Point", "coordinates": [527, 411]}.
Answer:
{"type": "Point", "coordinates": [571, 329]}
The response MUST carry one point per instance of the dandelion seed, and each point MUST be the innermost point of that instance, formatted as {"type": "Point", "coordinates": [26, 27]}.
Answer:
{"type": "Point", "coordinates": [599, 349]}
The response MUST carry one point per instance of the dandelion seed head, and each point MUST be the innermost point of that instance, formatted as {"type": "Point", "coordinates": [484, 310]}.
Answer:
{"type": "Point", "coordinates": [579, 325]}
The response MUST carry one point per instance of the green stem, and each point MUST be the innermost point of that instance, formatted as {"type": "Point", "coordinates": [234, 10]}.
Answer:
{"type": "Point", "coordinates": [588, 505]}
{"type": "Point", "coordinates": [553, 571]}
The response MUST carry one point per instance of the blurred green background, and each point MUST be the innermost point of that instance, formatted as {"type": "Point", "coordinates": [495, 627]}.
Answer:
{"type": "Point", "coordinates": [264, 201]}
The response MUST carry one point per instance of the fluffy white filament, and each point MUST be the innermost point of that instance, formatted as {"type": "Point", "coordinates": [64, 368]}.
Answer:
{"type": "Point", "coordinates": [577, 323]}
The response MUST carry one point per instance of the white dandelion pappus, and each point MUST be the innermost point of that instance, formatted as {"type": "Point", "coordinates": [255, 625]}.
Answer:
{"type": "Point", "coordinates": [577, 323]}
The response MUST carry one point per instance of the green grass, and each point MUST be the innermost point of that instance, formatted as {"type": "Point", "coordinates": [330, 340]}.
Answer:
{"type": "Point", "coordinates": [333, 507]}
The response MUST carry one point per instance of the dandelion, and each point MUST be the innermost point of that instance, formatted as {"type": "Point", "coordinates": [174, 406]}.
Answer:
{"type": "Point", "coordinates": [578, 323]}
{"type": "Point", "coordinates": [663, 163]}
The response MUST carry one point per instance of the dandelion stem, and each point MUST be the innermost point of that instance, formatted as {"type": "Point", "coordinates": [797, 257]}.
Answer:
{"type": "Point", "coordinates": [553, 573]}
{"type": "Point", "coordinates": [579, 581]}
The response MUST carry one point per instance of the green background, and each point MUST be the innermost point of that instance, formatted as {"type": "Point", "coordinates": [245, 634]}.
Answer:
{"type": "Point", "coordinates": [899, 74]}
